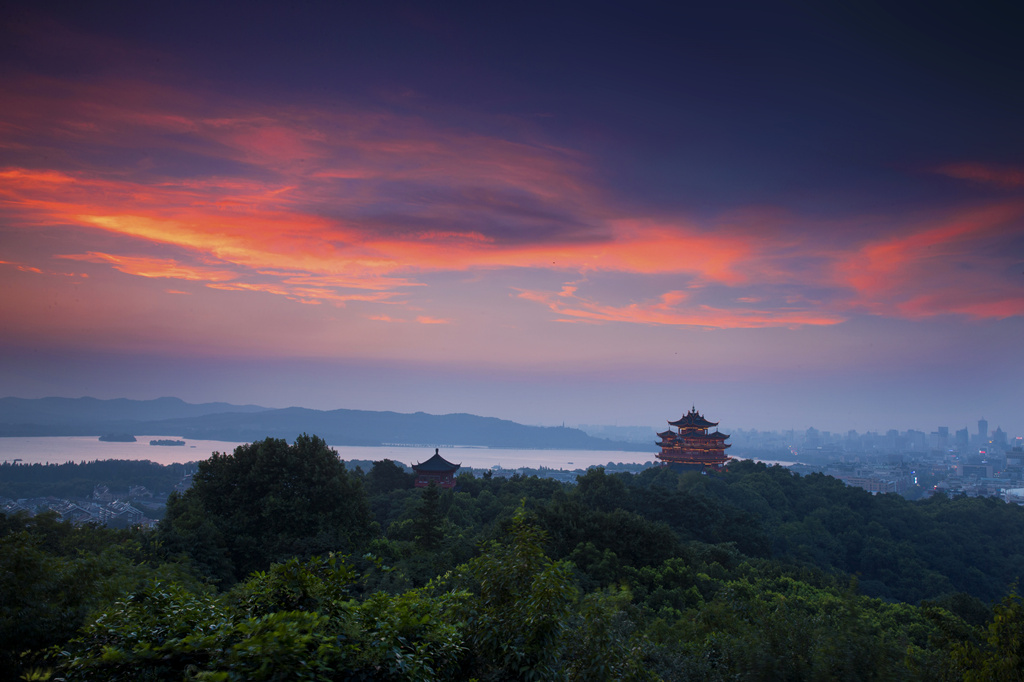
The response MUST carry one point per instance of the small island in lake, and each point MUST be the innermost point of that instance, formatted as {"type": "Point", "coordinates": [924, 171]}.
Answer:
{"type": "Point", "coordinates": [166, 441]}
{"type": "Point", "coordinates": [117, 438]}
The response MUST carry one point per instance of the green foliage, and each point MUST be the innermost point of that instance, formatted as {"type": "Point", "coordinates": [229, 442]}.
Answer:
{"type": "Point", "coordinates": [385, 476]}
{"type": "Point", "coordinates": [188, 531]}
{"type": "Point", "coordinates": [603, 641]}
{"type": "Point", "coordinates": [76, 480]}
{"type": "Point", "coordinates": [658, 575]}
{"type": "Point", "coordinates": [1001, 656]}
{"type": "Point", "coordinates": [899, 549]}
{"type": "Point", "coordinates": [514, 625]}
{"type": "Point", "coordinates": [428, 525]}
{"type": "Point", "coordinates": [411, 637]}
{"type": "Point", "coordinates": [155, 633]}
{"type": "Point", "coordinates": [266, 502]}
{"type": "Point", "coordinates": [53, 574]}
{"type": "Point", "coordinates": [164, 631]}
{"type": "Point", "coordinates": [320, 584]}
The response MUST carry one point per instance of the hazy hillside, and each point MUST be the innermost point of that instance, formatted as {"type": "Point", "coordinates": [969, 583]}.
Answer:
{"type": "Point", "coordinates": [220, 421]}
{"type": "Point", "coordinates": [66, 411]}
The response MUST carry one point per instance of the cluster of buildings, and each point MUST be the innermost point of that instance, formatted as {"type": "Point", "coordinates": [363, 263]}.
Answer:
{"type": "Point", "coordinates": [136, 506]}
{"type": "Point", "coordinates": [117, 511]}
{"type": "Point", "coordinates": [983, 463]}
{"type": "Point", "coordinates": [914, 463]}
{"type": "Point", "coordinates": [813, 442]}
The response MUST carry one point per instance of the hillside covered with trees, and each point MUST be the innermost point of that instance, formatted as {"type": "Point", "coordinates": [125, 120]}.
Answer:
{"type": "Point", "coordinates": [281, 563]}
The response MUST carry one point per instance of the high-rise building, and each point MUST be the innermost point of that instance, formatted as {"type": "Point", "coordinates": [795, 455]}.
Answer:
{"type": "Point", "coordinates": [962, 439]}
{"type": "Point", "coordinates": [982, 430]}
{"type": "Point", "coordinates": [915, 441]}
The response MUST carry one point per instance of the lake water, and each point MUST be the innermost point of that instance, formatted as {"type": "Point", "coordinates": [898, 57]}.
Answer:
{"type": "Point", "coordinates": [57, 450]}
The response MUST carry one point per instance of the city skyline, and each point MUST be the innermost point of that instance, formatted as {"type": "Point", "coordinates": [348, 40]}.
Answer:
{"type": "Point", "coordinates": [785, 216]}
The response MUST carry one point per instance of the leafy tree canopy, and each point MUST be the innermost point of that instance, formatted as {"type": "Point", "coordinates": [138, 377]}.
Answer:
{"type": "Point", "coordinates": [266, 502]}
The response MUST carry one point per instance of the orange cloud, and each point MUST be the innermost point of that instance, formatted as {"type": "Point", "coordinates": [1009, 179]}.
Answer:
{"type": "Point", "coordinates": [670, 309]}
{"type": "Point", "coordinates": [39, 271]}
{"type": "Point", "coordinates": [944, 268]}
{"type": "Point", "coordinates": [365, 206]}
{"type": "Point", "coordinates": [154, 267]}
{"type": "Point", "coordinates": [300, 294]}
{"type": "Point", "coordinates": [974, 307]}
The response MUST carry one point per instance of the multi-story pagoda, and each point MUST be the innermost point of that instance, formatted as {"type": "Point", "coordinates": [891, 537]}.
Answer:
{"type": "Point", "coordinates": [436, 470]}
{"type": "Point", "coordinates": [691, 446]}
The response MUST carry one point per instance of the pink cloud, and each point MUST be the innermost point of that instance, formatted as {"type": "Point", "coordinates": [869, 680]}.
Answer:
{"type": "Point", "coordinates": [949, 266]}
{"type": "Point", "coordinates": [22, 267]}
{"type": "Point", "coordinates": [1005, 176]}
{"type": "Point", "coordinates": [364, 206]}
{"type": "Point", "coordinates": [154, 267]}
{"type": "Point", "coordinates": [673, 308]}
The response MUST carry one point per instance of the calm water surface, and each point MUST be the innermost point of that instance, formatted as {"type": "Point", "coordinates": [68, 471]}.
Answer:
{"type": "Point", "coordinates": [57, 450]}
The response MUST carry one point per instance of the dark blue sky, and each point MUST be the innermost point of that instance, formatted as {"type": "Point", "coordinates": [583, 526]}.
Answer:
{"type": "Point", "coordinates": [763, 209]}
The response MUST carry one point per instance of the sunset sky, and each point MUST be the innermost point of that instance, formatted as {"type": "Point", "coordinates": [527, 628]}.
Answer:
{"type": "Point", "coordinates": [783, 214]}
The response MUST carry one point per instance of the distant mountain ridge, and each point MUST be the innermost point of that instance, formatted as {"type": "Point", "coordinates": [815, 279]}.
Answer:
{"type": "Point", "coordinates": [222, 421]}
{"type": "Point", "coordinates": [74, 410]}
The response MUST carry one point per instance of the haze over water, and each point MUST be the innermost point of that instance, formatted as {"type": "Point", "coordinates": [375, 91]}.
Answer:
{"type": "Point", "coordinates": [58, 450]}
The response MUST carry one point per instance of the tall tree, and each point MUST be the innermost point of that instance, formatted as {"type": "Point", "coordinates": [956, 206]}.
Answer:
{"type": "Point", "coordinates": [429, 522]}
{"type": "Point", "coordinates": [385, 476]}
{"type": "Point", "coordinates": [269, 501]}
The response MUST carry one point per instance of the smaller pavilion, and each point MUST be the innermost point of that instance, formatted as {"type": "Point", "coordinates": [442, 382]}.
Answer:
{"type": "Point", "coordinates": [436, 470]}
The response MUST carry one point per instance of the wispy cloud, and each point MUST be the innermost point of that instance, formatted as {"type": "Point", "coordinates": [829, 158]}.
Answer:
{"type": "Point", "coordinates": [23, 267]}
{"type": "Point", "coordinates": [154, 267]}
{"type": "Point", "coordinates": [953, 265]}
{"type": "Point", "coordinates": [348, 205]}
{"type": "Point", "coordinates": [676, 308]}
{"type": "Point", "coordinates": [1005, 176]}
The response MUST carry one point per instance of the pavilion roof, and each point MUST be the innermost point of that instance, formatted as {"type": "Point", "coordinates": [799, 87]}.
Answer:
{"type": "Point", "coordinates": [436, 463]}
{"type": "Point", "coordinates": [693, 419]}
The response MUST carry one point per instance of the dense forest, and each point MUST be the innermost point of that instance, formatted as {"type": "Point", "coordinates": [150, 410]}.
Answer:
{"type": "Point", "coordinates": [281, 563]}
{"type": "Point", "coordinates": [78, 479]}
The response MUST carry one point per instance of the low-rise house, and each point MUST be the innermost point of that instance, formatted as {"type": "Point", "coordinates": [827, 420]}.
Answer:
{"type": "Point", "coordinates": [120, 514]}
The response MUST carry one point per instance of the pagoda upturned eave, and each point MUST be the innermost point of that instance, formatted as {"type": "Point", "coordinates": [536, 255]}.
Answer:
{"type": "Point", "coordinates": [436, 463]}
{"type": "Point", "coordinates": [693, 419]}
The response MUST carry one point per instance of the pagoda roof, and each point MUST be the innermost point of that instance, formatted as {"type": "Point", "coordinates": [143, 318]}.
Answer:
{"type": "Point", "coordinates": [436, 463]}
{"type": "Point", "coordinates": [693, 419]}
{"type": "Point", "coordinates": [718, 435]}
{"type": "Point", "coordinates": [667, 434]}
